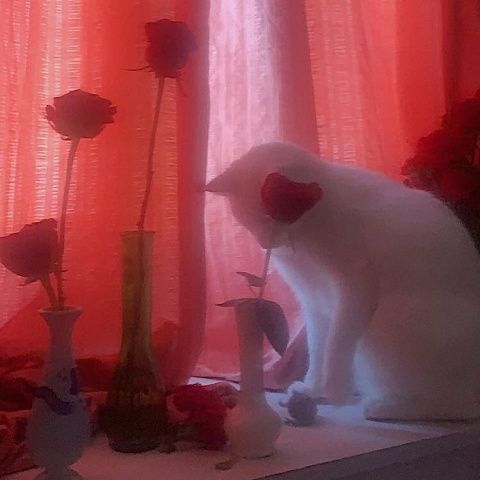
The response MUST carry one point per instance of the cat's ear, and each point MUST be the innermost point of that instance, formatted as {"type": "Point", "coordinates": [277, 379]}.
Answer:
{"type": "Point", "coordinates": [224, 184]}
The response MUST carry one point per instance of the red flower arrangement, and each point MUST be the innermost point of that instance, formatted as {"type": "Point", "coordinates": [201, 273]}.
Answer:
{"type": "Point", "coordinates": [198, 413]}
{"type": "Point", "coordinates": [447, 163]}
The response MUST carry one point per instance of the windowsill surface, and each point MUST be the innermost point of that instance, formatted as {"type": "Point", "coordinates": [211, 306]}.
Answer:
{"type": "Point", "coordinates": [341, 444]}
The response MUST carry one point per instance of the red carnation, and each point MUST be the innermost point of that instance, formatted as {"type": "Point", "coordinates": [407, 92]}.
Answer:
{"type": "Point", "coordinates": [32, 251]}
{"type": "Point", "coordinates": [438, 150]}
{"type": "Point", "coordinates": [465, 116]}
{"type": "Point", "coordinates": [458, 183]}
{"type": "Point", "coordinates": [285, 200]}
{"type": "Point", "coordinates": [79, 114]}
{"type": "Point", "coordinates": [170, 43]}
{"type": "Point", "coordinates": [212, 434]}
{"type": "Point", "coordinates": [203, 411]}
{"type": "Point", "coordinates": [473, 201]}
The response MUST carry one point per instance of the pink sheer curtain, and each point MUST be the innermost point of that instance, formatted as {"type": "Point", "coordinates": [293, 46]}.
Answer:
{"type": "Point", "coordinates": [48, 47]}
{"type": "Point", "coordinates": [356, 81]}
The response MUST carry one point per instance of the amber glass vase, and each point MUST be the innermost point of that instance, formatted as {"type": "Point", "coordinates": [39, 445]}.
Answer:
{"type": "Point", "coordinates": [135, 417]}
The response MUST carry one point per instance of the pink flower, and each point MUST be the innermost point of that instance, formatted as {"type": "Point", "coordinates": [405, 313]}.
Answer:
{"type": "Point", "coordinates": [32, 251]}
{"type": "Point", "coordinates": [285, 200]}
{"type": "Point", "coordinates": [170, 44]}
{"type": "Point", "coordinates": [79, 114]}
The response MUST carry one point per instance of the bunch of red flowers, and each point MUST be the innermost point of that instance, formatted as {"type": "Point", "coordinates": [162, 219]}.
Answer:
{"type": "Point", "coordinates": [198, 414]}
{"type": "Point", "coordinates": [447, 162]}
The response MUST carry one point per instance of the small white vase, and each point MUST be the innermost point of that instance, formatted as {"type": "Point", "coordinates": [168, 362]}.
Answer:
{"type": "Point", "coordinates": [252, 426]}
{"type": "Point", "coordinates": [59, 428]}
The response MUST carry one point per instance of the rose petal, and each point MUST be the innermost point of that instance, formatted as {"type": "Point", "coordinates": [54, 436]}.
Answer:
{"type": "Point", "coordinates": [79, 114]}
{"type": "Point", "coordinates": [285, 200]}
{"type": "Point", "coordinates": [30, 252]}
{"type": "Point", "coordinates": [170, 44]}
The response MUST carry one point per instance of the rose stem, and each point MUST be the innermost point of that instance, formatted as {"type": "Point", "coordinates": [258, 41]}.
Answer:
{"type": "Point", "coordinates": [268, 254]}
{"type": "Point", "coordinates": [47, 285]}
{"type": "Point", "coordinates": [143, 213]}
{"type": "Point", "coordinates": [61, 234]}
{"type": "Point", "coordinates": [265, 272]}
{"type": "Point", "coordinates": [151, 151]}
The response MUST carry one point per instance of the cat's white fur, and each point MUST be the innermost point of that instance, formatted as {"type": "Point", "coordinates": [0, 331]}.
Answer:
{"type": "Point", "coordinates": [388, 280]}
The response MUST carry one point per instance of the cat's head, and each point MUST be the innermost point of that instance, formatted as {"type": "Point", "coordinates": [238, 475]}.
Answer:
{"type": "Point", "coordinates": [241, 183]}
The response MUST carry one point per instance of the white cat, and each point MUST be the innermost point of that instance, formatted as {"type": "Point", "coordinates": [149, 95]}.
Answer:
{"type": "Point", "coordinates": [388, 280]}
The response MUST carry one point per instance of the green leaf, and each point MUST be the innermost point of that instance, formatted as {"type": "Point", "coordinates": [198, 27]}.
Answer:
{"type": "Point", "coordinates": [274, 324]}
{"type": "Point", "coordinates": [252, 280]}
{"type": "Point", "coordinates": [233, 303]}
{"type": "Point", "coordinates": [271, 319]}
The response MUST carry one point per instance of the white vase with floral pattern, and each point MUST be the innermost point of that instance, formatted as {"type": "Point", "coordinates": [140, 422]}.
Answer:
{"type": "Point", "coordinates": [59, 428]}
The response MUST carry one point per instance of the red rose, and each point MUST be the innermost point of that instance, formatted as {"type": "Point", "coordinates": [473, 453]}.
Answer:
{"type": "Point", "coordinates": [170, 43]}
{"type": "Point", "coordinates": [458, 183]}
{"type": "Point", "coordinates": [212, 434]}
{"type": "Point", "coordinates": [473, 201]}
{"type": "Point", "coordinates": [285, 200]}
{"type": "Point", "coordinates": [421, 179]}
{"type": "Point", "coordinates": [438, 150]}
{"type": "Point", "coordinates": [198, 401]}
{"type": "Point", "coordinates": [79, 114]}
{"type": "Point", "coordinates": [32, 251]}
{"type": "Point", "coordinates": [465, 116]}
{"type": "Point", "coordinates": [203, 411]}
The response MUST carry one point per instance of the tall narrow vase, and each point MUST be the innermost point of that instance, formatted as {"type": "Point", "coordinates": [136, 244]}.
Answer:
{"type": "Point", "coordinates": [58, 429]}
{"type": "Point", "coordinates": [252, 426]}
{"type": "Point", "coordinates": [135, 414]}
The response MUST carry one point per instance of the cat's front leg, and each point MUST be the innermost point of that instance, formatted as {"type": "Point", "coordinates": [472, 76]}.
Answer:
{"type": "Point", "coordinates": [357, 300]}
{"type": "Point", "coordinates": [317, 311]}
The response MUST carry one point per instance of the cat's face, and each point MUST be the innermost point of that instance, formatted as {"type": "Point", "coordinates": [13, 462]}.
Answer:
{"type": "Point", "coordinates": [241, 186]}
{"type": "Point", "coordinates": [241, 183]}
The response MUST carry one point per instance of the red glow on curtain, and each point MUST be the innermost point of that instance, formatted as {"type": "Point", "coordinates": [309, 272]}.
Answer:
{"type": "Point", "coordinates": [358, 82]}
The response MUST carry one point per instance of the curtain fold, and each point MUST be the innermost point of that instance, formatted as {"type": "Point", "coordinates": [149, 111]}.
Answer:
{"type": "Point", "coordinates": [47, 48]}
{"type": "Point", "coordinates": [252, 46]}
{"type": "Point", "coordinates": [193, 119]}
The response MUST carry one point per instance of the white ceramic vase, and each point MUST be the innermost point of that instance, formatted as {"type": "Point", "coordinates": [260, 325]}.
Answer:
{"type": "Point", "coordinates": [59, 428]}
{"type": "Point", "coordinates": [252, 426]}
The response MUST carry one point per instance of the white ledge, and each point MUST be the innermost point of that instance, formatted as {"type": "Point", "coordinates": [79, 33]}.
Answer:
{"type": "Point", "coordinates": [341, 445]}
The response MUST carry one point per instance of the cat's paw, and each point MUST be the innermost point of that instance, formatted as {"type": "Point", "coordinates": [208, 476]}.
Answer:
{"type": "Point", "coordinates": [334, 395]}
{"type": "Point", "coordinates": [304, 389]}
